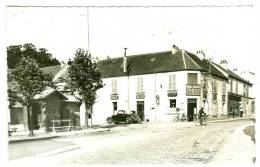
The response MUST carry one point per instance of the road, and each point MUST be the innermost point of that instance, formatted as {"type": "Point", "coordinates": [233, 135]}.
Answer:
{"type": "Point", "coordinates": [167, 144]}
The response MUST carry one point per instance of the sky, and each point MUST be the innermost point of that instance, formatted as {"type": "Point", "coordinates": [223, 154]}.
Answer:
{"type": "Point", "coordinates": [222, 33]}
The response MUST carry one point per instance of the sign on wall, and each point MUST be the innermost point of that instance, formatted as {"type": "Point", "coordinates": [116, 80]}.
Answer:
{"type": "Point", "coordinates": [140, 95]}
{"type": "Point", "coordinates": [114, 97]}
{"type": "Point", "coordinates": [193, 90]}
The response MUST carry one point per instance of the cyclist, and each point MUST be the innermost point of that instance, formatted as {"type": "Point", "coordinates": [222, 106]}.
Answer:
{"type": "Point", "coordinates": [201, 114]}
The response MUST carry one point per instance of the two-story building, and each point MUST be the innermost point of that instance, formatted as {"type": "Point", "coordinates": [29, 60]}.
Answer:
{"type": "Point", "coordinates": [239, 101]}
{"type": "Point", "coordinates": [159, 86]}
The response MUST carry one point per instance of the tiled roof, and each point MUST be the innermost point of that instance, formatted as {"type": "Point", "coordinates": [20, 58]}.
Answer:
{"type": "Point", "coordinates": [51, 70]}
{"type": "Point", "coordinates": [47, 92]}
{"type": "Point", "coordinates": [233, 75]}
{"type": "Point", "coordinates": [207, 66]}
{"type": "Point", "coordinates": [155, 63]}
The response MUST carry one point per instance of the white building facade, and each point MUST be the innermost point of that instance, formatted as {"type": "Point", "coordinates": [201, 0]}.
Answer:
{"type": "Point", "coordinates": [166, 86]}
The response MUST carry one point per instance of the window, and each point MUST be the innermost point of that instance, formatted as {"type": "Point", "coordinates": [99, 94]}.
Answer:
{"type": "Point", "coordinates": [172, 82]}
{"type": "Point", "coordinates": [246, 90]}
{"type": "Point", "coordinates": [172, 103]}
{"type": "Point", "coordinates": [231, 86]}
{"type": "Point", "coordinates": [114, 86]}
{"type": "Point", "coordinates": [140, 85]}
{"type": "Point", "coordinates": [236, 87]}
{"type": "Point", "coordinates": [192, 78]}
{"type": "Point", "coordinates": [224, 88]}
{"type": "Point", "coordinates": [215, 86]}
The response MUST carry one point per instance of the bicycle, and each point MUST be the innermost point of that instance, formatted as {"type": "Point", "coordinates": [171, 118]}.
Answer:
{"type": "Point", "coordinates": [200, 121]}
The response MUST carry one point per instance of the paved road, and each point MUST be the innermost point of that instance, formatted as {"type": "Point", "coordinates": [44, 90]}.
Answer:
{"type": "Point", "coordinates": [187, 144]}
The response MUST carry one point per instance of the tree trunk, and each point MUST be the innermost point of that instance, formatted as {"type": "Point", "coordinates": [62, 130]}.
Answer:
{"type": "Point", "coordinates": [91, 111]}
{"type": "Point", "coordinates": [30, 122]}
{"type": "Point", "coordinates": [86, 119]}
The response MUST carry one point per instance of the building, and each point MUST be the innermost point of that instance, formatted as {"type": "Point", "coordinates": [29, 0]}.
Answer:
{"type": "Point", "coordinates": [240, 103]}
{"type": "Point", "coordinates": [49, 105]}
{"type": "Point", "coordinates": [160, 86]}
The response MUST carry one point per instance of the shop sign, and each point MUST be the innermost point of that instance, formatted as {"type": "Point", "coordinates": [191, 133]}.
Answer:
{"type": "Point", "coordinates": [140, 95]}
{"type": "Point", "coordinates": [114, 97]}
{"type": "Point", "coordinates": [172, 93]}
{"type": "Point", "coordinates": [193, 91]}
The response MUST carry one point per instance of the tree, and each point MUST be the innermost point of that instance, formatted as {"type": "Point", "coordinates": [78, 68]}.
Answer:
{"type": "Point", "coordinates": [31, 81]}
{"type": "Point", "coordinates": [41, 55]}
{"type": "Point", "coordinates": [84, 78]}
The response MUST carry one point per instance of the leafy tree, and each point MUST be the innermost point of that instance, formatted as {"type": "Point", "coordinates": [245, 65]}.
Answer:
{"type": "Point", "coordinates": [31, 81]}
{"type": "Point", "coordinates": [14, 54]}
{"type": "Point", "coordinates": [41, 55]}
{"type": "Point", "coordinates": [84, 78]}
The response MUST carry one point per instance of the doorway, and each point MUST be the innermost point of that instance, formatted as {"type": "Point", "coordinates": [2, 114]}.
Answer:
{"type": "Point", "coordinates": [191, 106]}
{"type": "Point", "coordinates": [114, 107]}
{"type": "Point", "coordinates": [140, 109]}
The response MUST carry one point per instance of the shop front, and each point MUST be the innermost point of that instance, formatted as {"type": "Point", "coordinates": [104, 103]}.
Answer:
{"type": "Point", "coordinates": [234, 101]}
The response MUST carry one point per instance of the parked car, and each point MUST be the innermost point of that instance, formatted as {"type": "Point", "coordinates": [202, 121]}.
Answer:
{"type": "Point", "coordinates": [123, 117]}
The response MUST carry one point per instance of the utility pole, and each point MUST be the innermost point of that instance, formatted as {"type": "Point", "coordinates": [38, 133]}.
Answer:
{"type": "Point", "coordinates": [211, 83]}
{"type": "Point", "coordinates": [88, 29]}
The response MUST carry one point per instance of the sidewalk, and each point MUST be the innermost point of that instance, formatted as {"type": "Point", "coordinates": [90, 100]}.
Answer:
{"type": "Point", "coordinates": [239, 149]}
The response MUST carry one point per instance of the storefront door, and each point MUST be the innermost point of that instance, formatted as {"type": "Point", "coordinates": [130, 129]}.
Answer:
{"type": "Point", "coordinates": [140, 109]}
{"type": "Point", "coordinates": [192, 104]}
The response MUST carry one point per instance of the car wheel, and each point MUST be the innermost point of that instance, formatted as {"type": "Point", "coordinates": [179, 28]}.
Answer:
{"type": "Point", "coordinates": [109, 120]}
{"type": "Point", "coordinates": [128, 120]}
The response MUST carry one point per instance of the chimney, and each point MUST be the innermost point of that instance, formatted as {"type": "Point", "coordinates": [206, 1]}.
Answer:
{"type": "Point", "coordinates": [174, 49]}
{"type": "Point", "coordinates": [201, 54]}
{"type": "Point", "coordinates": [224, 63]}
{"type": "Point", "coordinates": [125, 62]}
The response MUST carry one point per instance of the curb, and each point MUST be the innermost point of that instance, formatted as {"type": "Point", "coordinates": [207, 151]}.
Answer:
{"type": "Point", "coordinates": [228, 120]}
{"type": "Point", "coordinates": [31, 139]}
{"type": "Point", "coordinates": [76, 133]}
{"type": "Point", "coordinates": [57, 135]}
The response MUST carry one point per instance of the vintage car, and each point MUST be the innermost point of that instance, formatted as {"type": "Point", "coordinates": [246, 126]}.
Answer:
{"type": "Point", "coordinates": [123, 117]}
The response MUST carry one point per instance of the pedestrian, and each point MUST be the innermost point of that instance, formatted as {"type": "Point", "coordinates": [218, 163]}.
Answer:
{"type": "Point", "coordinates": [241, 113]}
{"type": "Point", "coordinates": [233, 112]}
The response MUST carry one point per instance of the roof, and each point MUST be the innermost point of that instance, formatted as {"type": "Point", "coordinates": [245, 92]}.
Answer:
{"type": "Point", "coordinates": [155, 63]}
{"type": "Point", "coordinates": [207, 66]}
{"type": "Point", "coordinates": [233, 74]}
{"type": "Point", "coordinates": [71, 98]}
{"type": "Point", "coordinates": [64, 96]}
{"type": "Point", "coordinates": [51, 70]}
{"type": "Point", "coordinates": [48, 92]}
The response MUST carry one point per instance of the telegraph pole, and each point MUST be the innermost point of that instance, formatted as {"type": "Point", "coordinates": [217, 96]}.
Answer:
{"type": "Point", "coordinates": [88, 29]}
